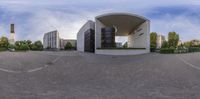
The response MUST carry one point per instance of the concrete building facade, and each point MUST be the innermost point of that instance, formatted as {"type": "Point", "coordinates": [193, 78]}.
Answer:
{"type": "Point", "coordinates": [195, 42]}
{"type": "Point", "coordinates": [51, 40]}
{"type": "Point", "coordinates": [160, 40]}
{"type": "Point", "coordinates": [90, 25]}
{"type": "Point", "coordinates": [107, 26]}
{"type": "Point", "coordinates": [63, 42]}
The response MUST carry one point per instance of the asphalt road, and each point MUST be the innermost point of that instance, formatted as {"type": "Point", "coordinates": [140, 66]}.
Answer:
{"type": "Point", "coordinates": [74, 75]}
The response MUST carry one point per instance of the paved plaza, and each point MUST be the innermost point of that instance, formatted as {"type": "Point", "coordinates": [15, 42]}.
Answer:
{"type": "Point", "coordinates": [75, 75]}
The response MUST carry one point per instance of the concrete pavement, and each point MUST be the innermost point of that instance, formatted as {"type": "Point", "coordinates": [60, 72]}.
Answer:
{"type": "Point", "coordinates": [74, 75]}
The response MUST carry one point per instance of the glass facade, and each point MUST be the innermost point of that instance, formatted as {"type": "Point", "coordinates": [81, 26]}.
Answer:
{"type": "Point", "coordinates": [108, 37]}
{"type": "Point", "coordinates": [89, 40]}
{"type": "Point", "coordinates": [12, 28]}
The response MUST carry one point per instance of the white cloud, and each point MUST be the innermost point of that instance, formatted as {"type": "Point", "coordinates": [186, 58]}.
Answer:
{"type": "Point", "coordinates": [187, 28]}
{"type": "Point", "coordinates": [46, 21]}
{"type": "Point", "coordinates": [3, 30]}
{"type": "Point", "coordinates": [69, 15]}
{"type": "Point", "coordinates": [68, 24]}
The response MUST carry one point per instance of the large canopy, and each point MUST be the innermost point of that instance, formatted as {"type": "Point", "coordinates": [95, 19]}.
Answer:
{"type": "Point", "coordinates": [124, 22]}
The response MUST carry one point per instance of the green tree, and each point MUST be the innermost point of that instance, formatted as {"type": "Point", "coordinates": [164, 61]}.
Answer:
{"type": "Point", "coordinates": [11, 46]}
{"type": "Point", "coordinates": [22, 45]}
{"type": "Point", "coordinates": [165, 44]}
{"type": "Point", "coordinates": [68, 46]}
{"type": "Point", "coordinates": [125, 45]}
{"type": "Point", "coordinates": [37, 45]}
{"type": "Point", "coordinates": [153, 41]}
{"type": "Point", "coordinates": [173, 39]}
{"type": "Point", "coordinates": [4, 42]}
{"type": "Point", "coordinates": [17, 45]}
{"type": "Point", "coordinates": [187, 44]}
{"type": "Point", "coordinates": [29, 42]}
{"type": "Point", "coordinates": [34, 47]}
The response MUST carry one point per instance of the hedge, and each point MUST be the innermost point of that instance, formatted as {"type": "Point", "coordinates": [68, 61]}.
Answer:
{"type": "Point", "coordinates": [152, 49]}
{"type": "Point", "coordinates": [167, 50]}
{"type": "Point", "coordinates": [181, 50]}
{"type": "Point", "coordinates": [3, 49]}
{"type": "Point", "coordinates": [194, 49]}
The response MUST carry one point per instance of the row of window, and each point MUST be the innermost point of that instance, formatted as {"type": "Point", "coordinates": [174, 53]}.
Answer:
{"type": "Point", "coordinates": [108, 37]}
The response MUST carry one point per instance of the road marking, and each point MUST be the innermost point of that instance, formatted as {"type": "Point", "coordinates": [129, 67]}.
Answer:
{"type": "Point", "coordinates": [55, 60]}
{"type": "Point", "coordinates": [45, 66]}
{"type": "Point", "coordinates": [9, 71]}
{"type": "Point", "coordinates": [188, 63]}
{"type": "Point", "coordinates": [36, 69]}
{"type": "Point", "coordinates": [31, 70]}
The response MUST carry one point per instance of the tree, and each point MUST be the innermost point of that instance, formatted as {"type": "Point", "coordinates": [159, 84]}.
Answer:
{"type": "Point", "coordinates": [34, 47]}
{"type": "Point", "coordinates": [37, 45]}
{"type": "Point", "coordinates": [173, 39]}
{"type": "Point", "coordinates": [125, 45]}
{"type": "Point", "coordinates": [17, 45]}
{"type": "Point", "coordinates": [153, 40]}
{"type": "Point", "coordinates": [187, 44]}
{"type": "Point", "coordinates": [165, 44]}
{"type": "Point", "coordinates": [11, 46]}
{"type": "Point", "coordinates": [68, 46]}
{"type": "Point", "coordinates": [4, 42]}
{"type": "Point", "coordinates": [29, 43]}
{"type": "Point", "coordinates": [22, 45]}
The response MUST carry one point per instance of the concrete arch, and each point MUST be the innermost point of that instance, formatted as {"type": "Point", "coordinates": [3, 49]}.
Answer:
{"type": "Point", "coordinates": [126, 14]}
{"type": "Point", "coordinates": [135, 27]}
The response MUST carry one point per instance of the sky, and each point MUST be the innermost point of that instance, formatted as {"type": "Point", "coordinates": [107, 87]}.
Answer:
{"type": "Point", "coordinates": [33, 18]}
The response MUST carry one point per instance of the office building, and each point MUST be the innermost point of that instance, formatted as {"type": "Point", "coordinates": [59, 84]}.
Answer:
{"type": "Point", "coordinates": [51, 40]}
{"type": "Point", "coordinates": [99, 36]}
{"type": "Point", "coordinates": [63, 42]}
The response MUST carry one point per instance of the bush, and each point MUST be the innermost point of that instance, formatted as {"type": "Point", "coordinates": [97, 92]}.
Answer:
{"type": "Point", "coordinates": [167, 50]}
{"type": "Point", "coordinates": [11, 46]}
{"type": "Point", "coordinates": [165, 44]}
{"type": "Point", "coordinates": [3, 49]}
{"type": "Point", "coordinates": [181, 50]}
{"type": "Point", "coordinates": [37, 46]}
{"type": "Point", "coordinates": [34, 47]}
{"type": "Point", "coordinates": [152, 47]}
{"type": "Point", "coordinates": [68, 46]}
{"type": "Point", "coordinates": [4, 42]}
{"type": "Point", "coordinates": [194, 49]}
{"type": "Point", "coordinates": [24, 47]}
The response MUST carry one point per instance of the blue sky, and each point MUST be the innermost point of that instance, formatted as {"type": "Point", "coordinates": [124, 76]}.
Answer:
{"type": "Point", "coordinates": [35, 17]}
